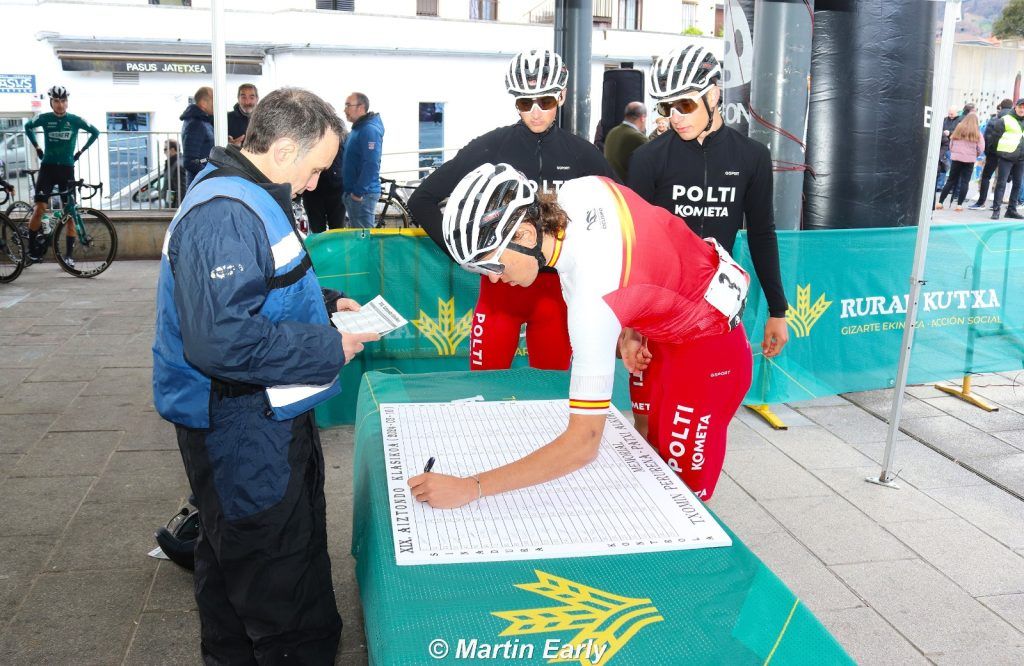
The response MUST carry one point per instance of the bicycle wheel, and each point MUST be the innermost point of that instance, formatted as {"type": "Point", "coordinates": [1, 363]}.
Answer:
{"type": "Point", "coordinates": [391, 213]}
{"type": "Point", "coordinates": [95, 248]}
{"type": "Point", "coordinates": [12, 250]}
{"type": "Point", "coordinates": [19, 212]}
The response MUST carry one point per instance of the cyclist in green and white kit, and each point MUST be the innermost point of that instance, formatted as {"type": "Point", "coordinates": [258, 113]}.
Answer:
{"type": "Point", "coordinates": [57, 168]}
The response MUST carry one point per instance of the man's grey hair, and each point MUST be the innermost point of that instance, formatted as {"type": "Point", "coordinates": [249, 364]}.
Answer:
{"type": "Point", "coordinates": [248, 86]}
{"type": "Point", "coordinates": [362, 99]}
{"type": "Point", "coordinates": [635, 111]}
{"type": "Point", "coordinates": [291, 113]}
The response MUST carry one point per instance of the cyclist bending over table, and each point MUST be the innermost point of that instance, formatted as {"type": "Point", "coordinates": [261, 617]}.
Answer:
{"type": "Point", "coordinates": [57, 168]}
{"type": "Point", "coordinates": [634, 277]}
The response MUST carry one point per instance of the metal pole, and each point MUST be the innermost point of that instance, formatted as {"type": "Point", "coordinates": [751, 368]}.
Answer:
{"type": "Point", "coordinates": [574, 27]}
{"type": "Point", "coordinates": [940, 82]}
{"type": "Point", "coordinates": [778, 94]}
{"type": "Point", "coordinates": [220, 68]}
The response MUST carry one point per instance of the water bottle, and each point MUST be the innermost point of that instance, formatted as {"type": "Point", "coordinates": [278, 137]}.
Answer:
{"type": "Point", "coordinates": [47, 223]}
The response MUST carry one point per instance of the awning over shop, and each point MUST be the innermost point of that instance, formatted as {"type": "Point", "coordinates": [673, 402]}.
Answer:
{"type": "Point", "coordinates": [153, 57]}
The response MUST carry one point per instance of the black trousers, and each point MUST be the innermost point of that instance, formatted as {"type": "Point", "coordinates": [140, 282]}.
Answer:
{"type": "Point", "coordinates": [325, 209]}
{"type": "Point", "coordinates": [262, 580]}
{"type": "Point", "coordinates": [991, 166]}
{"type": "Point", "coordinates": [1007, 171]}
{"type": "Point", "coordinates": [958, 181]}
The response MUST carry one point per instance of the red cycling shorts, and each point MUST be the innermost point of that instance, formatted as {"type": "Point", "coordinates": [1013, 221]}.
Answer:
{"type": "Point", "coordinates": [501, 311]}
{"type": "Point", "coordinates": [691, 392]}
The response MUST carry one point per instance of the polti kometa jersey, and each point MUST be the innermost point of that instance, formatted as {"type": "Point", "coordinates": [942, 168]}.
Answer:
{"type": "Point", "coordinates": [623, 262]}
{"type": "Point", "coordinates": [714, 187]}
{"type": "Point", "coordinates": [548, 159]}
{"type": "Point", "coordinates": [60, 136]}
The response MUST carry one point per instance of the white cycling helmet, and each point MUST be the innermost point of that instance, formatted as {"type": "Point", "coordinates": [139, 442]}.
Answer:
{"type": "Point", "coordinates": [536, 72]}
{"type": "Point", "coordinates": [58, 92]}
{"type": "Point", "coordinates": [482, 215]}
{"type": "Point", "coordinates": [687, 72]}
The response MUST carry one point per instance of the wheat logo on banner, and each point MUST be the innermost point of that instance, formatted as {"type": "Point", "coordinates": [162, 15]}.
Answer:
{"type": "Point", "coordinates": [804, 316]}
{"type": "Point", "coordinates": [445, 332]}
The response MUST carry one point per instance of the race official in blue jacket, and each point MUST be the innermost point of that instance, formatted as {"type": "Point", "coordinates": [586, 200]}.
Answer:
{"type": "Point", "coordinates": [361, 165]}
{"type": "Point", "coordinates": [197, 132]}
{"type": "Point", "coordinates": [243, 352]}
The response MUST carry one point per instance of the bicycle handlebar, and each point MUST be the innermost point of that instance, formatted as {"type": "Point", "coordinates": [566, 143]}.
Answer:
{"type": "Point", "coordinates": [81, 184]}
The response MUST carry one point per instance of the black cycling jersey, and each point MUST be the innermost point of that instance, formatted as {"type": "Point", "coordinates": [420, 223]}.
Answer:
{"type": "Point", "coordinates": [712, 186]}
{"type": "Point", "coordinates": [548, 159]}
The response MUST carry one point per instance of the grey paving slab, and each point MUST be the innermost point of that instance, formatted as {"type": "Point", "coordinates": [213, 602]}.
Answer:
{"type": "Point", "coordinates": [94, 344]}
{"type": "Point", "coordinates": [1010, 607]}
{"type": "Point", "coordinates": [990, 422]}
{"type": "Point", "coordinates": [25, 555]}
{"type": "Point", "coordinates": [1009, 394]}
{"type": "Point", "coordinates": [1014, 438]}
{"type": "Point", "coordinates": [814, 447]}
{"type": "Point", "coordinates": [969, 557]}
{"type": "Point", "coordinates": [21, 431]}
{"type": "Point", "coordinates": [26, 357]}
{"type": "Point", "coordinates": [957, 438]}
{"type": "Point", "coordinates": [39, 336]}
{"type": "Point", "coordinates": [835, 531]}
{"type": "Point", "coordinates": [850, 424]}
{"type": "Point", "coordinates": [13, 589]}
{"type": "Point", "coordinates": [128, 325]}
{"type": "Point", "coordinates": [739, 511]}
{"type": "Point", "coordinates": [10, 326]}
{"type": "Point", "coordinates": [69, 454]}
{"type": "Point", "coordinates": [880, 403]}
{"type": "Point", "coordinates": [41, 398]}
{"type": "Point", "coordinates": [141, 475]}
{"type": "Point", "coordinates": [990, 509]}
{"type": "Point", "coordinates": [111, 535]}
{"type": "Point", "coordinates": [771, 474]}
{"type": "Point", "coordinates": [164, 638]}
{"type": "Point", "coordinates": [98, 412]}
{"type": "Point", "coordinates": [868, 638]}
{"type": "Point", "coordinates": [7, 462]}
{"type": "Point", "coordinates": [148, 432]}
{"type": "Point", "coordinates": [827, 401]}
{"type": "Point", "coordinates": [803, 573]}
{"type": "Point", "coordinates": [93, 612]}
{"type": "Point", "coordinates": [881, 504]}
{"type": "Point", "coordinates": [132, 382]}
{"type": "Point", "coordinates": [990, 655]}
{"type": "Point", "coordinates": [40, 506]}
{"type": "Point", "coordinates": [742, 437]}
{"type": "Point", "coordinates": [173, 589]}
{"type": "Point", "coordinates": [1007, 470]}
{"type": "Point", "coordinates": [67, 369]}
{"type": "Point", "coordinates": [924, 606]}
{"type": "Point", "coordinates": [925, 468]}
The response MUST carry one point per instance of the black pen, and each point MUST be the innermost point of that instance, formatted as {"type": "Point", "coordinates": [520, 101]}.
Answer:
{"type": "Point", "coordinates": [429, 466]}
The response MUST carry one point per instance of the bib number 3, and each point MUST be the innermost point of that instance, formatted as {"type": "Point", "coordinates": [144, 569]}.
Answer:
{"type": "Point", "coordinates": [727, 291]}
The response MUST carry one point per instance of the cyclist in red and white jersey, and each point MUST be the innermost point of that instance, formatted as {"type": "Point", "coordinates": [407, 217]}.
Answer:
{"type": "Point", "coordinates": [632, 276]}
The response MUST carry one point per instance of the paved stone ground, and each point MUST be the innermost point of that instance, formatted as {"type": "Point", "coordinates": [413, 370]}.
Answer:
{"type": "Point", "coordinates": [933, 572]}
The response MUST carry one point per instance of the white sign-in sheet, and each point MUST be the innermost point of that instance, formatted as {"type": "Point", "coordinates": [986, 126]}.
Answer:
{"type": "Point", "coordinates": [626, 501]}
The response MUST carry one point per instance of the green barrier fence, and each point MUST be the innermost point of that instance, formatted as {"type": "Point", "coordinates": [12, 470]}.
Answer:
{"type": "Point", "coordinates": [711, 606]}
{"type": "Point", "coordinates": [847, 293]}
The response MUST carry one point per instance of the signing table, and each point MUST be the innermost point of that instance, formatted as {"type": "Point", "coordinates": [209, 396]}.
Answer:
{"type": "Point", "coordinates": [715, 605]}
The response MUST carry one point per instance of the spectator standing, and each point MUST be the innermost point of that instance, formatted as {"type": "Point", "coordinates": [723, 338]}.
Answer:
{"type": "Point", "coordinates": [243, 353]}
{"type": "Point", "coordinates": [627, 137]}
{"type": "Point", "coordinates": [966, 144]}
{"type": "Point", "coordinates": [361, 162]}
{"type": "Point", "coordinates": [197, 132]}
{"type": "Point", "coordinates": [660, 126]}
{"type": "Point", "coordinates": [991, 157]}
{"type": "Point", "coordinates": [238, 118]}
{"type": "Point", "coordinates": [1009, 138]}
{"type": "Point", "coordinates": [325, 205]}
{"type": "Point", "coordinates": [172, 187]}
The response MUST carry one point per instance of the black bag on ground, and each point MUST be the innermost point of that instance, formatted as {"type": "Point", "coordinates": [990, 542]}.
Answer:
{"type": "Point", "coordinates": [178, 539]}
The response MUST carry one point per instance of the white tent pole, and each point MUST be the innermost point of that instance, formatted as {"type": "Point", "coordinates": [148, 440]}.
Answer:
{"type": "Point", "coordinates": [219, 67]}
{"type": "Point", "coordinates": [940, 85]}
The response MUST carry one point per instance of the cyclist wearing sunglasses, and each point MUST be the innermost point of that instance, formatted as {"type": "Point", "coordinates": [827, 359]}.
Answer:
{"type": "Point", "coordinates": [633, 277]}
{"type": "Point", "coordinates": [548, 156]}
{"type": "Point", "coordinates": [711, 176]}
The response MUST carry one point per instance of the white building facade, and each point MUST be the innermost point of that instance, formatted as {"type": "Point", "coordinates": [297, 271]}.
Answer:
{"type": "Point", "coordinates": [132, 66]}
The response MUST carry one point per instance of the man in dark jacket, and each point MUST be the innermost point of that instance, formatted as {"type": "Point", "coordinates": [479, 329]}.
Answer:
{"type": "Point", "coordinates": [1008, 136]}
{"type": "Point", "coordinates": [361, 165]}
{"type": "Point", "coordinates": [243, 353]}
{"type": "Point", "coordinates": [238, 118]}
{"type": "Point", "coordinates": [197, 132]}
{"type": "Point", "coordinates": [625, 138]}
{"type": "Point", "coordinates": [172, 187]}
{"type": "Point", "coordinates": [991, 158]}
{"type": "Point", "coordinates": [325, 207]}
